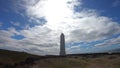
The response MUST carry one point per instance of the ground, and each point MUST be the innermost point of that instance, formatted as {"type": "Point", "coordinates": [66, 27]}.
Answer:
{"type": "Point", "coordinates": [11, 59]}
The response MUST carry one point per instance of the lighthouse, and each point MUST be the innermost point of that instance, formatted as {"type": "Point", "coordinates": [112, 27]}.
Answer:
{"type": "Point", "coordinates": [62, 45]}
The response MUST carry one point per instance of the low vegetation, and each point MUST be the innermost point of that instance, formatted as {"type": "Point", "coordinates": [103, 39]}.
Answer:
{"type": "Point", "coordinates": [11, 59]}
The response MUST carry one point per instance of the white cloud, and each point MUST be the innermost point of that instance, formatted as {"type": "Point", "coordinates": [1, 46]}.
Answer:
{"type": "Point", "coordinates": [5, 37]}
{"type": "Point", "coordinates": [85, 25]}
{"type": "Point", "coordinates": [15, 23]}
{"type": "Point", "coordinates": [30, 45]}
{"type": "Point", "coordinates": [73, 50]}
{"type": "Point", "coordinates": [113, 41]}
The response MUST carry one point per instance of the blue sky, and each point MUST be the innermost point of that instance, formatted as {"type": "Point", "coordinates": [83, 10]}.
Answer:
{"type": "Point", "coordinates": [34, 26]}
{"type": "Point", "coordinates": [106, 8]}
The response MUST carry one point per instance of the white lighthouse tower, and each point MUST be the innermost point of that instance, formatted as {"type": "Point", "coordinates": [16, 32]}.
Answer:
{"type": "Point", "coordinates": [62, 45]}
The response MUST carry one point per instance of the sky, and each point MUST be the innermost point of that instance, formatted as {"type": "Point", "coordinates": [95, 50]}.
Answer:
{"type": "Point", "coordinates": [34, 26]}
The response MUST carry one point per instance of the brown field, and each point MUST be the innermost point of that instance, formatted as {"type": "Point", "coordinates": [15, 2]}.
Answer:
{"type": "Point", "coordinates": [10, 59]}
